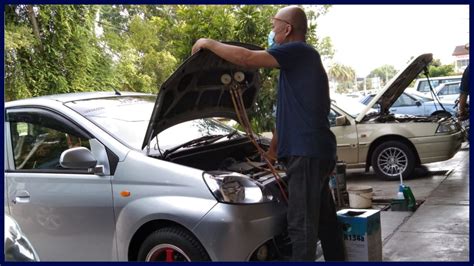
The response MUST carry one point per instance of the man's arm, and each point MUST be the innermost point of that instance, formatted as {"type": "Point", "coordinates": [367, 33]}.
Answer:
{"type": "Point", "coordinates": [272, 150]}
{"type": "Point", "coordinates": [236, 54]}
{"type": "Point", "coordinates": [463, 115]}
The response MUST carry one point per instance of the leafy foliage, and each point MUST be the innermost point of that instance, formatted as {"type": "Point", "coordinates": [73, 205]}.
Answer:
{"type": "Point", "coordinates": [436, 69]}
{"type": "Point", "coordinates": [343, 75]}
{"type": "Point", "coordinates": [69, 48]}
{"type": "Point", "coordinates": [385, 73]}
{"type": "Point", "coordinates": [52, 49]}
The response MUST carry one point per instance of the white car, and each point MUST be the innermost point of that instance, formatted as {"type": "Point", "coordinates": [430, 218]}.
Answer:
{"type": "Point", "coordinates": [448, 92]}
{"type": "Point", "coordinates": [392, 144]}
{"type": "Point", "coordinates": [423, 86]}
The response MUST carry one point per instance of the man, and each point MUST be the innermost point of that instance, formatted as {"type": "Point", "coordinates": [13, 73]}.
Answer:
{"type": "Point", "coordinates": [303, 140]}
{"type": "Point", "coordinates": [464, 93]}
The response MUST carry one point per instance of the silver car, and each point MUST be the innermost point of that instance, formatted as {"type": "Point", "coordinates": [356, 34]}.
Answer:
{"type": "Point", "coordinates": [411, 104]}
{"type": "Point", "coordinates": [110, 176]}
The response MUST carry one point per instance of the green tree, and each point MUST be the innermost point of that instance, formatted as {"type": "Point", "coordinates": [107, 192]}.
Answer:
{"type": "Point", "coordinates": [176, 28]}
{"type": "Point", "coordinates": [343, 75]}
{"type": "Point", "coordinates": [436, 69]}
{"type": "Point", "coordinates": [52, 49]}
{"type": "Point", "coordinates": [385, 73]}
{"type": "Point", "coordinates": [66, 48]}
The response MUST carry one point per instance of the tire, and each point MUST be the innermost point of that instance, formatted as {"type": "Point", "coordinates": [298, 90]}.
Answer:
{"type": "Point", "coordinates": [171, 244]}
{"type": "Point", "coordinates": [390, 154]}
{"type": "Point", "coordinates": [442, 113]}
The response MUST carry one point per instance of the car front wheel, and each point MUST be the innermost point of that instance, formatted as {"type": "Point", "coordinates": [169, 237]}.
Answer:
{"type": "Point", "coordinates": [171, 244]}
{"type": "Point", "coordinates": [391, 158]}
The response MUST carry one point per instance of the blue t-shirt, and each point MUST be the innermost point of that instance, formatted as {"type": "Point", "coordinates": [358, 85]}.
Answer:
{"type": "Point", "coordinates": [302, 103]}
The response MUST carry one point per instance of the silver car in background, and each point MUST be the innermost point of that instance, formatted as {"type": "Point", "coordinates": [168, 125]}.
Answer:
{"type": "Point", "coordinates": [411, 104]}
{"type": "Point", "coordinates": [109, 176]}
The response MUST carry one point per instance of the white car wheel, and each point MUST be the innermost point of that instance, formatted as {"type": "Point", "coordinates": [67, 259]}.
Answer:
{"type": "Point", "coordinates": [392, 158]}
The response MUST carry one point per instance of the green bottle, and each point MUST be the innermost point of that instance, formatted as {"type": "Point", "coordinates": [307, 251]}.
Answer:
{"type": "Point", "coordinates": [408, 194]}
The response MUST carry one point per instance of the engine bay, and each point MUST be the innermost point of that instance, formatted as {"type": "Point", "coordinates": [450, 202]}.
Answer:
{"type": "Point", "coordinates": [235, 155]}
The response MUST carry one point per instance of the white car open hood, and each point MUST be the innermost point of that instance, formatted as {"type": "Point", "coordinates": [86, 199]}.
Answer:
{"type": "Point", "coordinates": [195, 90]}
{"type": "Point", "coordinates": [395, 87]}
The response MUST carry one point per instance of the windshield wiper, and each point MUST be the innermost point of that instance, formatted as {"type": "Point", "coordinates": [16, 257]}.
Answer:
{"type": "Point", "coordinates": [204, 140]}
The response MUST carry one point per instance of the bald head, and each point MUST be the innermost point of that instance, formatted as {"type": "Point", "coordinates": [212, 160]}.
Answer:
{"type": "Point", "coordinates": [297, 18]}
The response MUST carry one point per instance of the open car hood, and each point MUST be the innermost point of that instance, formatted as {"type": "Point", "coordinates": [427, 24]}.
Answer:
{"type": "Point", "coordinates": [195, 91]}
{"type": "Point", "coordinates": [395, 87]}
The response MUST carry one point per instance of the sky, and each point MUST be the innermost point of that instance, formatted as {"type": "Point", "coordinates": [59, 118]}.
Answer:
{"type": "Point", "coordinates": [368, 36]}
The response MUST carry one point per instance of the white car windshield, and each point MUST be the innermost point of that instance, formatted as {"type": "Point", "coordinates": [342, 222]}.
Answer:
{"type": "Point", "coordinates": [349, 105]}
{"type": "Point", "coordinates": [127, 119]}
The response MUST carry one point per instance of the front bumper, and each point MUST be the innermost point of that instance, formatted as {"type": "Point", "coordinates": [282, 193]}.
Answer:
{"type": "Point", "coordinates": [231, 232]}
{"type": "Point", "coordinates": [439, 147]}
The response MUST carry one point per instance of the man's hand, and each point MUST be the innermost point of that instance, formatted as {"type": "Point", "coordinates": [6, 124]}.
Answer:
{"type": "Point", "coordinates": [271, 154]}
{"type": "Point", "coordinates": [199, 44]}
{"type": "Point", "coordinates": [270, 157]}
{"type": "Point", "coordinates": [463, 115]}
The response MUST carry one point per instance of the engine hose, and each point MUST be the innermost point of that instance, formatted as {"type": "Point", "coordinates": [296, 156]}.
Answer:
{"type": "Point", "coordinates": [237, 100]}
{"type": "Point", "coordinates": [259, 149]}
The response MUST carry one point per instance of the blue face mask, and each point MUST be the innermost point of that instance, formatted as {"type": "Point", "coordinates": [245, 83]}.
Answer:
{"type": "Point", "coordinates": [271, 39]}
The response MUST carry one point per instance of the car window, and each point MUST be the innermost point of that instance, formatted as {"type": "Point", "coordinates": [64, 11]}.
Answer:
{"type": "Point", "coordinates": [349, 105]}
{"type": "Point", "coordinates": [420, 98]}
{"type": "Point", "coordinates": [443, 91]}
{"type": "Point", "coordinates": [38, 140]}
{"type": "Point", "coordinates": [452, 89]}
{"type": "Point", "coordinates": [404, 100]}
{"type": "Point", "coordinates": [424, 86]}
{"type": "Point", "coordinates": [367, 99]}
{"type": "Point", "coordinates": [451, 80]}
{"type": "Point", "coordinates": [127, 119]}
{"type": "Point", "coordinates": [189, 130]}
{"type": "Point", "coordinates": [332, 117]}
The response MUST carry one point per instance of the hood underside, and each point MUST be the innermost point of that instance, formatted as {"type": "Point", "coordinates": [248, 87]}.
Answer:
{"type": "Point", "coordinates": [397, 85]}
{"type": "Point", "coordinates": [195, 90]}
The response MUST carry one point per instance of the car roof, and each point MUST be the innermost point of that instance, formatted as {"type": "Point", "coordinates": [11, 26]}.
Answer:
{"type": "Point", "coordinates": [442, 85]}
{"type": "Point", "coordinates": [69, 97]}
{"type": "Point", "coordinates": [449, 83]}
{"type": "Point", "coordinates": [443, 77]}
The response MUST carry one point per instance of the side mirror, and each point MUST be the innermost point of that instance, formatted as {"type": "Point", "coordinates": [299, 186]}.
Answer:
{"type": "Point", "coordinates": [77, 158]}
{"type": "Point", "coordinates": [341, 121]}
{"type": "Point", "coordinates": [377, 107]}
{"type": "Point", "coordinates": [418, 103]}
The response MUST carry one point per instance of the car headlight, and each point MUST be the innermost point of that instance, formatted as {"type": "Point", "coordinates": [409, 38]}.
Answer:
{"type": "Point", "coordinates": [230, 187]}
{"type": "Point", "coordinates": [446, 128]}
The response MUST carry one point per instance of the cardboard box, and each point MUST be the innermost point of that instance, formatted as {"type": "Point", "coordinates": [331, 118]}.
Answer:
{"type": "Point", "coordinates": [362, 234]}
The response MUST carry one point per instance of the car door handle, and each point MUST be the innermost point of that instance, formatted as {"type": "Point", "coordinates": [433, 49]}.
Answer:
{"type": "Point", "coordinates": [22, 197]}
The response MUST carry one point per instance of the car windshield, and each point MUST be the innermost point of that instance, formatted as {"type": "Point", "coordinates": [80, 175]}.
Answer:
{"type": "Point", "coordinates": [349, 105]}
{"type": "Point", "coordinates": [127, 119]}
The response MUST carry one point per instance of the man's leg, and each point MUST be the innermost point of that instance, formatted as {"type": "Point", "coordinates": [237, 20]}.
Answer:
{"type": "Point", "coordinates": [330, 232]}
{"type": "Point", "coordinates": [304, 186]}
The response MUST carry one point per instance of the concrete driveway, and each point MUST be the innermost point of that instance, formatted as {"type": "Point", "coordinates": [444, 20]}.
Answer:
{"type": "Point", "coordinates": [439, 229]}
{"type": "Point", "coordinates": [426, 179]}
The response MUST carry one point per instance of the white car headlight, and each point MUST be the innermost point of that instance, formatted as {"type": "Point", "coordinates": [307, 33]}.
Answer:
{"type": "Point", "coordinates": [231, 187]}
{"type": "Point", "coordinates": [446, 128]}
